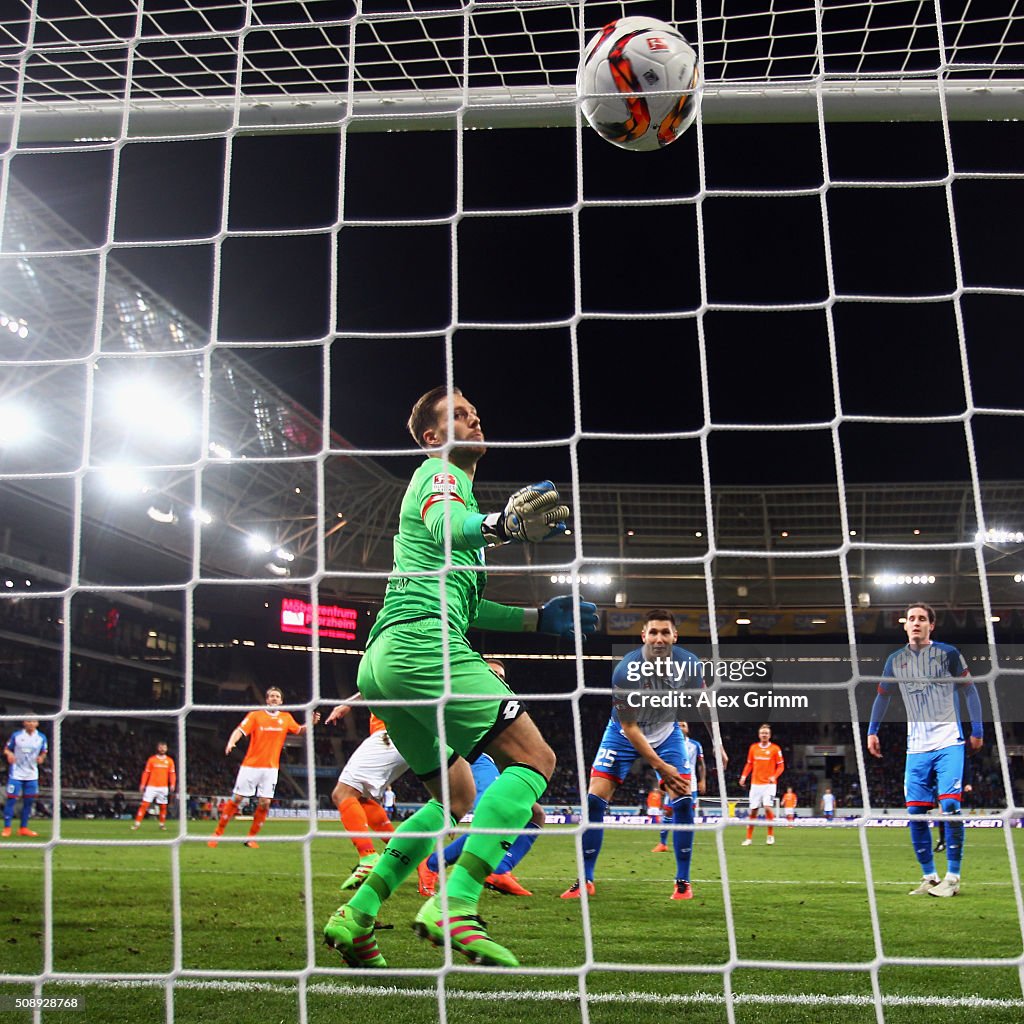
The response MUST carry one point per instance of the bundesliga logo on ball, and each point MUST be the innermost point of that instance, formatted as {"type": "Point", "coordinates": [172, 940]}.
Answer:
{"type": "Point", "coordinates": [639, 82]}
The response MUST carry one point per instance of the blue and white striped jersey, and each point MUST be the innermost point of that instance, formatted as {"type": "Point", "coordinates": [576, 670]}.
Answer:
{"type": "Point", "coordinates": [927, 680]}
{"type": "Point", "coordinates": [26, 748]}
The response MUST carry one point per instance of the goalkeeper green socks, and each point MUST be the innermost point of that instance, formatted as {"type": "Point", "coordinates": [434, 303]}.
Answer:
{"type": "Point", "coordinates": [401, 857]}
{"type": "Point", "coordinates": [505, 805]}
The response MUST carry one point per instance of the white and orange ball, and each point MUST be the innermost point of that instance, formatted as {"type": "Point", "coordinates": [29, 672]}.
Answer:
{"type": "Point", "coordinates": [639, 82]}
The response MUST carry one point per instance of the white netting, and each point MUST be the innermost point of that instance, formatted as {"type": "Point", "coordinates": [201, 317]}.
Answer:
{"type": "Point", "coordinates": [148, 149]}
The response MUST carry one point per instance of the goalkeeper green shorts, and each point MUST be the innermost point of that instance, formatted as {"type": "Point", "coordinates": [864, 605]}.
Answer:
{"type": "Point", "coordinates": [406, 663]}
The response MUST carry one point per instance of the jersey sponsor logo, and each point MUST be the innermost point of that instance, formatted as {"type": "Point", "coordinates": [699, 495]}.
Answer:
{"type": "Point", "coordinates": [444, 483]}
{"type": "Point", "coordinates": [512, 708]}
{"type": "Point", "coordinates": [435, 498]}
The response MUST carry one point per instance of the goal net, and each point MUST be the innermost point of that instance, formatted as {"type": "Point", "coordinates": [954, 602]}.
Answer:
{"type": "Point", "coordinates": [772, 369]}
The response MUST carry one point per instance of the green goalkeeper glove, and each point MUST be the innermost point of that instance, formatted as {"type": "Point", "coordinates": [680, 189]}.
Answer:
{"type": "Point", "coordinates": [532, 514]}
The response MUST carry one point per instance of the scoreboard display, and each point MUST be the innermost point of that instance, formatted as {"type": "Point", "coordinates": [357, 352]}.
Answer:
{"type": "Point", "coordinates": [336, 622]}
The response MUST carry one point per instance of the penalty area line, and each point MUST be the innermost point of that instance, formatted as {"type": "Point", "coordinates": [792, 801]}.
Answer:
{"type": "Point", "coordinates": [333, 989]}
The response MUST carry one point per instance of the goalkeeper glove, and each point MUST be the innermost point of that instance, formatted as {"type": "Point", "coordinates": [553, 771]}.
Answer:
{"type": "Point", "coordinates": [556, 617]}
{"type": "Point", "coordinates": [533, 513]}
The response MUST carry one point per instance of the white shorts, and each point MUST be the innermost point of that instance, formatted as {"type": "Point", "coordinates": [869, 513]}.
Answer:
{"type": "Point", "coordinates": [255, 782]}
{"type": "Point", "coordinates": [373, 766]}
{"type": "Point", "coordinates": [761, 796]}
{"type": "Point", "coordinates": [155, 794]}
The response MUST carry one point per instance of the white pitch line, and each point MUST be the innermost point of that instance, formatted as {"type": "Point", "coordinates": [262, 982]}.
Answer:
{"type": "Point", "coordinates": [564, 995]}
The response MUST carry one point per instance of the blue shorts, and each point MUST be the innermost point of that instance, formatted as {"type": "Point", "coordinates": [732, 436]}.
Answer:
{"type": "Point", "coordinates": [615, 756]}
{"type": "Point", "coordinates": [22, 787]}
{"type": "Point", "coordinates": [934, 772]}
{"type": "Point", "coordinates": [485, 771]}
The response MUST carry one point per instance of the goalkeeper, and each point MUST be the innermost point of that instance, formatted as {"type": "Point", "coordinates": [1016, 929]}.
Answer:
{"type": "Point", "coordinates": [417, 651]}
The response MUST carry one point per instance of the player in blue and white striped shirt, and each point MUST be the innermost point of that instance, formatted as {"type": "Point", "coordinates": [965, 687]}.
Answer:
{"type": "Point", "coordinates": [928, 676]}
{"type": "Point", "coordinates": [659, 667]}
{"type": "Point", "coordinates": [25, 752]}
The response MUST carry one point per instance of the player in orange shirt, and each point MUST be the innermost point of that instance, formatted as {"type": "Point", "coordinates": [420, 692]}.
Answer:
{"type": "Point", "coordinates": [267, 729]}
{"type": "Point", "coordinates": [764, 766]}
{"type": "Point", "coordinates": [789, 804]}
{"type": "Point", "coordinates": [158, 782]}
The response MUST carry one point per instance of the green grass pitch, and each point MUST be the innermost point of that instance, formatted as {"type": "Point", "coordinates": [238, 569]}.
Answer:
{"type": "Point", "coordinates": [803, 899]}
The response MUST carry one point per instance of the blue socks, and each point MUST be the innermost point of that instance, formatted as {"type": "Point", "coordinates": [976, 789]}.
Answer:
{"type": "Point", "coordinates": [920, 837]}
{"type": "Point", "coordinates": [519, 849]}
{"type": "Point", "coordinates": [954, 837]}
{"type": "Point", "coordinates": [682, 840]}
{"type": "Point", "coordinates": [451, 853]}
{"type": "Point", "coordinates": [593, 837]}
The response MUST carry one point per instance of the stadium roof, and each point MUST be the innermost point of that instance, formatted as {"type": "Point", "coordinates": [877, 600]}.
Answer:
{"type": "Point", "coordinates": [259, 462]}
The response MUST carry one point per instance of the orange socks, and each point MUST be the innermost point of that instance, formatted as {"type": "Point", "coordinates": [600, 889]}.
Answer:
{"type": "Point", "coordinates": [230, 810]}
{"type": "Point", "coordinates": [141, 812]}
{"type": "Point", "coordinates": [353, 817]}
{"type": "Point", "coordinates": [377, 817]}
{"type": "Point", "coordinates": [259, 816]}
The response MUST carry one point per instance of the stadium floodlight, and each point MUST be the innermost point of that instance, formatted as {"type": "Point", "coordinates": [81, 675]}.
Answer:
{"type": "Point", "coordinates": [259, 544]}
{"type": "Point", "coordinates": [155, 410]}
{"type": "Point", "coordinates": [219, 450]}
{"type": "Point", "coordinates": [1018, 577]}
{"type": "Point", "coordinates": [124, 480]}
{"type": "Point", "coordinates": [16, 423]}
{"type": "Point", "coordinates": [600, 579]}
{"type": "Point", "coordinates": [202, 516]}
{"type": "Point", "coordinates": [284, 556]}
{"type": "Point", "coordinates": [14, 324]}
{"type": "Point", "coordinates": [277, 570]}
{"type": "Point", "coordinates": [902, 579]}
{"type": "Point", "coordinates": [1000, 537]}
{"type": "Point", "coordinates": [168, 518]}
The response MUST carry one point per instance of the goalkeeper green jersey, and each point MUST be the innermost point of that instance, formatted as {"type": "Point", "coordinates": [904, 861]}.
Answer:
{"type": "Point", "coordinates": [440, 498]}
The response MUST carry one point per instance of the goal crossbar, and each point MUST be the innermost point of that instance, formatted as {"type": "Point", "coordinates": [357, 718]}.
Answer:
{"type": "Point", "coordinates": [523, 107]}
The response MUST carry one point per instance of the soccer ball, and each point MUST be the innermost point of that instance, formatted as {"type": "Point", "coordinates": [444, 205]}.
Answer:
{"type": "Point", "coordinates": [638, 80]}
